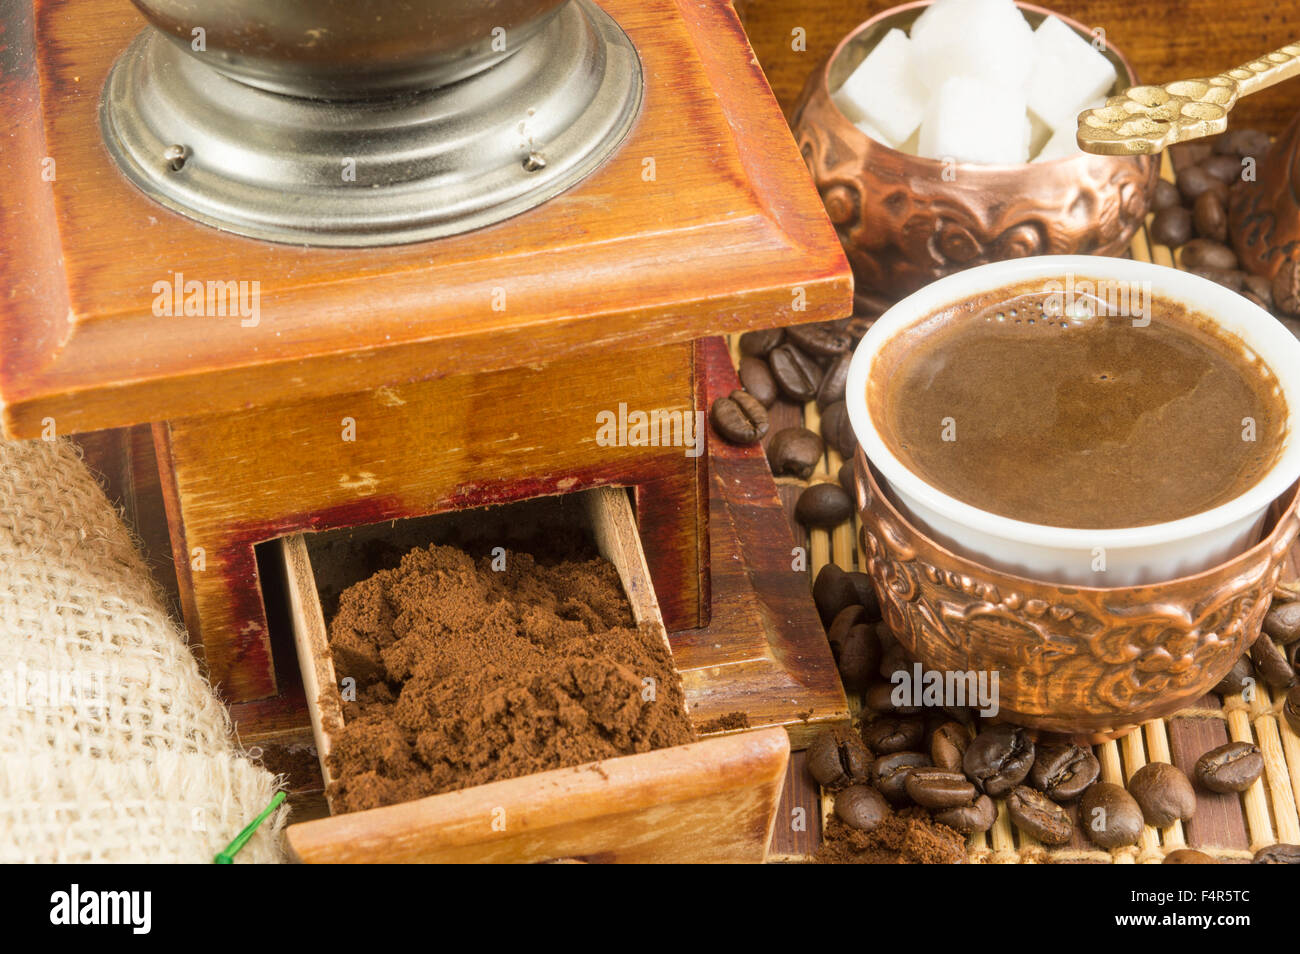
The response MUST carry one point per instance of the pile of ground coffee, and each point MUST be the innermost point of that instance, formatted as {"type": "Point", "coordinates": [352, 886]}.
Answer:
{"type": "Point", "coordinates": [466, 675]}
{"type": "Point", "coordinates": [906, 837]}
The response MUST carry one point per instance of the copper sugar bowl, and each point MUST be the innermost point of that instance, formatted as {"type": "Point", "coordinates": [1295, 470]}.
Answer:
{"type": "Point", "coordinates": [904, 223]}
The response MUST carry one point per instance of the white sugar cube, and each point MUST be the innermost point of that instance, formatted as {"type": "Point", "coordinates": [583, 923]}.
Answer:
{"type": "Point", "coordinates": [974, 120]}
{"type": "Point", "coordinates": [872, 132]}
{"type": "Point", "coordinates": [883, 91]}
{"type": "Point", "coordinates": [1061, 145]}
{"type": "Point", "coordinates": [989, 39]}
{"type": "Point", "coordinates": [1067, 74]}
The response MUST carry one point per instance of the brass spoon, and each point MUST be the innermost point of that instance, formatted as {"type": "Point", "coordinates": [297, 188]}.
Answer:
{"type": "Point", "coordinates": [1146, 119]}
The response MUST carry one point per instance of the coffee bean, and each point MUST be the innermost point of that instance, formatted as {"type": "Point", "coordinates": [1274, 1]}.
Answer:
{"type": "Point", "coordinates": [1188, 856]}
{"type": "Point", "coordinates": [1038, 816]}
{"type": "Point", "coordinates": [1277, 855]}
{"type": "Point", "coordinates": [1110, 815]}
{"type": "Point", "coordinates": [759, 344]}
{"type": "Point", "coordinates": [1195, 181]}
{"type": "Point", "coordinates": [838, 757]}
{"type": "Point", "coordinates": [998, 759]}
{"type": "Point", "coordinates": [1270, 662]}
{"type": "Point", "coordinates": [756, 378]}
{"type": "Point", "coordinates": [825, 340]}
{"type": "Point", "coordinates": [1233, 767]}
{"type": "Point", "coordinates": [833, 381]}
{"type": "Point", "coordinates": [1166, 196]}
{"type": "Point", "coordinates": [1243, 142]}
{"type": "Point", "coordinates": [795, 451]}
{"type": "Point", "coordinates": [1260, 289]}
{"type": "Point", "coordinates": [1172, 226]}
{"type": "Point", "coordinates": [847, 479]}
{"type": "Point", "coordinates": [1063, 770]}
{"type": "Point", "coordinates": [796, 374]}
{"type": "Point", "coordinates": [866, 591]}
{"type": "Point", "coordinates": [837, 430]}
{"type": "Point", "coordinates": [1241, 675]}
{"type": "Point", "coordinates": [1187, 154]}
{"type": "Point", "coordinates": [886, 734]}
{"type": "Point", "coordinates": [948, 744]}
{"type": "Point", "coordinates": [889, 774]}
{"type": "Point", "coordinates": [1282, 622]}
{"type": "Point", "coordinates": [857, 656]}
{"type": "Point", "coordinates": [1211, 217]}
{"type": "Point", "coordinates": [833, 591]}
{"type": "Point", "coordinates": [1164, 793]}
{"type": "Point", "coordinates": [1291, 709]}
{"type": "Point", "coordinates": [962, 715]}
{"type": "Point", "coordinates": [979, 815]}
{"type": "Point", "coordinates": [892, 660]}
{"type": "Point", "coordinates": [845, 620]}
{"type": "Point", "coordinates": [1206, 253]}
{"type": "Point", "coordinates": [939, 789]}
{"type": "Point", "coordinates": [1286, 287]}
{"type": "Point", "coordinates": [739, 418]}
{"type": "Point", "coordinates": [861, 807]}
{"type": "Point", "coordinates": [879, 697]}
{"type": "Point", "coordinates": [1227, 169]}
{"type": "Point", "coordinates": [823, 505]}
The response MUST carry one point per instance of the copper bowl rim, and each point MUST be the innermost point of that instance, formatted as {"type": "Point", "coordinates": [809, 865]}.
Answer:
{"type": "Point", "coordinates": [822, 73]}
{"type": "Point", "coordinates": [866, 483]}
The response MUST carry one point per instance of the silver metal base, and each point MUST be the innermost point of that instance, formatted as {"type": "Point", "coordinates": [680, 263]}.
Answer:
{"type": "Point", "coordinates": [380, 172]}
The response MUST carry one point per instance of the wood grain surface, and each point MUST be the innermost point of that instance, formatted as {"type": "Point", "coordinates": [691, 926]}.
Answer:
{"type": "Point", "coordinates": [704, 221]}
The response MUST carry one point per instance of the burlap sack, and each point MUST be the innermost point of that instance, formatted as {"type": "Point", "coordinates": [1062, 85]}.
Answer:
{"type": "Point", "coordinates": [112, 745]}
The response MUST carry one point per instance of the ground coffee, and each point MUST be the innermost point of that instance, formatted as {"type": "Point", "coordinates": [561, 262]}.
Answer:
{"type": "Point", "coordinates": [906, 837]}
{"type": "Point", "coordinates": [466, 674]}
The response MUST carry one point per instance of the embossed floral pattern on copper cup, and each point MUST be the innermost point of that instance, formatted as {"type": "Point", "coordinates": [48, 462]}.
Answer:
{"type": "Point", "coordinates": [1086, 662]}
{"type": "Point", "coordinates": [906, 220]}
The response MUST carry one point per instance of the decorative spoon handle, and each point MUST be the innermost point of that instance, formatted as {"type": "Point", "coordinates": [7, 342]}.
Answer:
{"type": "Point", "coordinates": [1146, 119]}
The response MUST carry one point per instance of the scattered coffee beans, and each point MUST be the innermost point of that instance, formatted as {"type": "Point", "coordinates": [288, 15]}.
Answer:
{"type": "Point", "coordinates": [1172, 226]}
{"type": "Point", "coordinates": [833, 381]}
{"type": "Point", "coordinates": [1277, 855]}
{"type": "Point", "coordinates": [834, 591]}
{"type": "Point", "coordinates": [823, 505]}
{"type": "Point", "coordinates": [1282, 622]}
{"type": "Point", "coordinates": [759, 344]}
{"type": "Point", "coordinates": [846, 478]}
{"type": "Point", "coordinates": [1164, 794]}
{"type": "Point", "coordinates": [739, 418]}
{"type": "Point", "coordinates": [948, 745]}
{"type": "Point", "coordinates": [1166, 196]}
{"type": "Point", "coordinates": [824, 340]}
{"type": "Point", "coordinates": [861, 807]}
{"type": "Point", "coordinates": [1188, 856]}
{"type": "Point", "coordinates": [1241, 675]}
{"type": "Point", "coordinates": [1110, 815]}
{"type": "Point", "coordinates": [1233, 767]}
{"type": "Point", "coordinates": [797, 375]}
{"type": "Point", "coordinates": [1062, 770]}
{"type": "Point", "coordinates": [795, 451]}
{"type": "Point", "coordinates": [979, 815]}
{"type": "Point", "coordinates": [880, 698]}
{"type": "Point", "coordinates": [1037, 815]}
{"type": "Point", "coordinates": [857, 656]}
{"type": "Point", "coordinates": [936, 788]}
{"type": "Point", "coordinates": [1271, 664]}
{"type": "Point", "coordinates": [998, 759]}
{"type": "Point", "coordinates": [1211, 217]}
{"type": "Point", "coordinates": [1206, 253]}
{"type": "Point", "coordinates": [890, 733]}
{"type": "Point", "coordinates": [838, 757]}
{"type": "Point", "coordinates": [1194, 181]}
{"type": "Point", "coordinates": [837, 430]}
{"type": "Point", "coordinates": [890, 772]}
{"type": "Point", "coordinates": [757, 380]}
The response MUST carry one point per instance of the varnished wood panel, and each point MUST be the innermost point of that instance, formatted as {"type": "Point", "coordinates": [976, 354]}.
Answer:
{"type": "Point", "coordinates": [727, 233]}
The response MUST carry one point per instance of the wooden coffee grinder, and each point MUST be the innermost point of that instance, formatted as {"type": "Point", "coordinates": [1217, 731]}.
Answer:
{"type": "Point", "coordinates": [355, 268]}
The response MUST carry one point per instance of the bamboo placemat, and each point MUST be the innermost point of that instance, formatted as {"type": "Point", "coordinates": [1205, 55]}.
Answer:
{"type": "Point", "coordinates": [1229, 827]}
